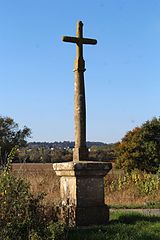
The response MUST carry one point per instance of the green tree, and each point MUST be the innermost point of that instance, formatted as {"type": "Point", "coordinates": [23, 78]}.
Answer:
{"type": "Point", "coordinates": [11, 135]}
{"type": "Point", "coordinates": [140, 148]}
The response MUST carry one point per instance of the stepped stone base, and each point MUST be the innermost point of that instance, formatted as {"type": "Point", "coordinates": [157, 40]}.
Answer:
{"type": "Point", "coordinates": [82, 192]}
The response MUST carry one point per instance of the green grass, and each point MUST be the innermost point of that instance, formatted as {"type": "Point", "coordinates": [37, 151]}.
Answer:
{"type": "Point", "coordinates": [122, 226]}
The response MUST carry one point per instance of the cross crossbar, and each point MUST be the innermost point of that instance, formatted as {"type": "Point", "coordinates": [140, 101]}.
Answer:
{"type": "Point", "coordinates": [79, 40]}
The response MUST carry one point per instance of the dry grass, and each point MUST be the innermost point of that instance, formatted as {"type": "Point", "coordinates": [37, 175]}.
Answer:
{"type": "Point", "coordinates": [42, 179]}
{"type": "Point", "coordinates": [128, 195]}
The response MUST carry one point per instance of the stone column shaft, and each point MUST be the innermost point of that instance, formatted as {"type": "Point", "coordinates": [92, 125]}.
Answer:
{"type": "Point", "coordinates": [79, 110]}
{"type": "Point", "coordinates": [80, 149]}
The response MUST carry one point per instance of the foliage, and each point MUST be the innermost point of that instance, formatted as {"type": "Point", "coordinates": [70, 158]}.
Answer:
{"type": "Point", "coordinates": [140, 148]}
{"type": "Point", "coordinates": [57, 231]}
{"type": "Point", "coordinates": [11, 135]}
{"type": "Point", "coordinates": [144, 183]}
{"type": "Point", "coordinates": [22, 215]}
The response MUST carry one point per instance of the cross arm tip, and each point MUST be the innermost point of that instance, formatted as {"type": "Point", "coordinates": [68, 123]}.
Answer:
{"type": "Point", "coordinates": [94, 41]}
{"type": "Point", "coordinates": [63, 38]}
{"type": "Point", "coordinates": [89, 41]}
{"type": "Point", "coordinates": [69, 39]}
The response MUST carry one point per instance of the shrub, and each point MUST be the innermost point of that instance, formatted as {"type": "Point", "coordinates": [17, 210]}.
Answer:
{"type": "Point", "coordinates": [11, 135]}
{"type": "Point", "coordinates": [140, 148]}
{"type": "Point", "coordinates": [57, 231]}
{"type": "Point", "coordinates": [22, 215]}
{"type": "Point", "coordinates": [20, 211]}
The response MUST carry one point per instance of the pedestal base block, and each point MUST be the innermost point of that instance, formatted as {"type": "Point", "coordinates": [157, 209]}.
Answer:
{"type": "Point", "coordinates": [83, 216]}
{"type": "Point", "coordinates": [82, 192]}
{"type": "Point", "coordinates": [92, 215]}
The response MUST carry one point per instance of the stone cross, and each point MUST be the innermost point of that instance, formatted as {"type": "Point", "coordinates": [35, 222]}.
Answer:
{"type": "Point", "coordinates": [80, 149]}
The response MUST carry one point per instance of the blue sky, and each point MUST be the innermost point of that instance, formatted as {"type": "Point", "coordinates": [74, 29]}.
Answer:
{"type": "Point", "coordinates": [36, 68]}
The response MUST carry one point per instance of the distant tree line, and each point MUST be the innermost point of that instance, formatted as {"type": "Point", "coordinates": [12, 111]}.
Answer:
{"type": "Point", "coordinates": [51, 155]}
{"type": "Point", "coordinates": [139, 148]}
{"type": "Point", "coordinates": [42, 155]}
{"type": "Point", "coordinates": [62, 145]}
{"type": "Point", "coordinates": [11, 135]}
{"type": "Point", "coordinates": [105, 153]}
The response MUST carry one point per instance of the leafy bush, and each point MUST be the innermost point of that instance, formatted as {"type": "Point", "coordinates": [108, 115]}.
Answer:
{"type": "Point", "coordinates": [57, 231]}
{"type": "Point", "coordinates": [11, 135]}
{"type": "Point", "coordinates": [140, 148]}
{"type": "Point", "coordinates": [22, 215]}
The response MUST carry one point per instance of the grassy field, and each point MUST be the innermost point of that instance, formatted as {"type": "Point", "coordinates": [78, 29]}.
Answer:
{"type": "Point", "coordinates": [122, 226]}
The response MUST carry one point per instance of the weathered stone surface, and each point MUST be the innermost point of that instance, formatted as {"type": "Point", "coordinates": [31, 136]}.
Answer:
{"type": "Point", "coordinates": [95, 215]}
{"type": "Point", "coordinates": [80, 151]}
{"type": "Point", "coordinates": [83, 216]}
{"type": "Point", "coordinates": [80, 154]}
{"type": "Point", "coordinates": [88, 167]}
{"type": "Point", "coordinates": [82, 190]}
{"type": "Point", "coordinates": [81, 181]}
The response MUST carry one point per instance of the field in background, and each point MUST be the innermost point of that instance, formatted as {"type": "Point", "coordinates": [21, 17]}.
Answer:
{"type": "Point", "coordinates": [41, 177]}
{"type": "Point", "coordinates": [120, 189]}
{"type": "Point", "coordinates": [135, 189]}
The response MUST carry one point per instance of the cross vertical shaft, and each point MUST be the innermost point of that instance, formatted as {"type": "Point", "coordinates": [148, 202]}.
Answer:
{"type": "Point", "coordinates": [80, 149]}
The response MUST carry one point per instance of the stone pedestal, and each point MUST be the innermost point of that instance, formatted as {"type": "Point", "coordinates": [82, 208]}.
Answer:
{"type": "Point", "coordinates": [82, 192]}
